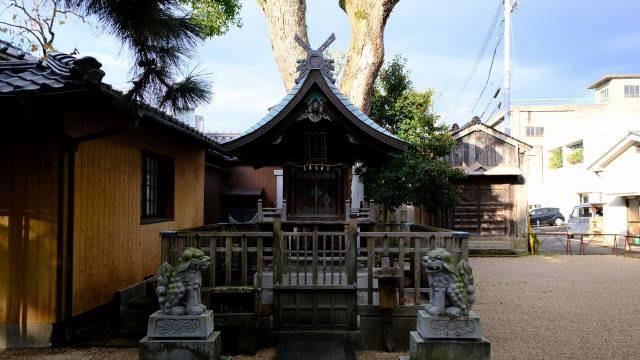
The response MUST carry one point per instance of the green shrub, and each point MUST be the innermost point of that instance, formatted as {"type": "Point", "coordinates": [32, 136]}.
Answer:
{"type": "Point", "coordinates": [576, 156]}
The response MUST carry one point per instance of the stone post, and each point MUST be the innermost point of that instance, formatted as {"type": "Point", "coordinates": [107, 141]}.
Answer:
{"type": "Point", "coordinates": [279, 187]}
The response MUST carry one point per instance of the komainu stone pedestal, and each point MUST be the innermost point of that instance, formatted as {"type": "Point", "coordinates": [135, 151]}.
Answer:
{"type": "Point", "coordinates": [448, 349]}
{"type": "Point", "coordinates": [183, 326]}
{"type": "Point", "coordinates": [445, 327]}
{"type": "Point", "coordinates": [447, 338]}
{"type": "Point", "coordinates": [185, 337]}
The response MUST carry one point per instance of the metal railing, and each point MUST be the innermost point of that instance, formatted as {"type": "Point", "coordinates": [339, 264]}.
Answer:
{"type": "Point", "coordinates": [587, 243]}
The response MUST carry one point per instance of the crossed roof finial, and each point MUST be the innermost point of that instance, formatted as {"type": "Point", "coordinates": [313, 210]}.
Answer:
{"type": "Point", "coordinates": [315, 59]}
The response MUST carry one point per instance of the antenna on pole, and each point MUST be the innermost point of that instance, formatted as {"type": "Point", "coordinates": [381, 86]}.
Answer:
{"type": "Point", "coordinates": [506, 88]}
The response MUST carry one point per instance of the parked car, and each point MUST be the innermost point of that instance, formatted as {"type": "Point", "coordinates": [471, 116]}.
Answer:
{"type": "Point", "coordinates": [546, 216]}
{"type": "Point", "coordinates": [583, 219]}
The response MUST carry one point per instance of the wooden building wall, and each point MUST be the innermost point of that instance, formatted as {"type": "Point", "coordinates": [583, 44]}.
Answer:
{"type": "Point", "coordinates": [111, 248]}
{"type": "Point", "coordinates": [484, 148]}
{"type": "Point", "coordinates": [28, 228]}
{"type": "Point", "coordinates": [490, 206]}
{"type": "Point", "coordinates": [249, 177]}
{"type": "Point", "coordinates": [214, 183]}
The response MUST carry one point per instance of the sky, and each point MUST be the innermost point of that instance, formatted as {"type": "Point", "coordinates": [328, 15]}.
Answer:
{"type": "Point", "coordinates": [559, 48]}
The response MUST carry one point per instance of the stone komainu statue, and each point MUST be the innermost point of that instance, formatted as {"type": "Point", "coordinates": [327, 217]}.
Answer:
{"type": "Point", "coordinates": [452, 290]}
{"type": "Point", "coordinates": [179, 288]}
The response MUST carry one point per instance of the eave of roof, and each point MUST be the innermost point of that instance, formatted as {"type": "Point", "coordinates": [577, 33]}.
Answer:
{"type": "Point", "coordinates": [616, 150]}
{"type": "Point", "coordinates": [363, 121]}
{"type": "Point", "coordinates": [466, 130]}
{"type": "Point", "coordinates": [610, 77]}
{"type": "Point", "coordinates": [25, 74]}
{"type": "Point", "coordinates": [12, 53]}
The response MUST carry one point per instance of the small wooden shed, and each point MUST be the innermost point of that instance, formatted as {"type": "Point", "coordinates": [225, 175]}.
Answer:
{"type": "Point", "coordinates": [493, 201]}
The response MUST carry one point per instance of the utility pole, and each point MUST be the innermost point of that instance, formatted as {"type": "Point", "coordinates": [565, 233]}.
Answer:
{"type": "Point", "coordinates": [506, 87]}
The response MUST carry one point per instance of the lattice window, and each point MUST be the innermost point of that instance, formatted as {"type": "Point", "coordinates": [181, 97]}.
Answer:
{"type": "Point", "coordinates": [315, 148]}
{"type": "Point", "coordinates": [494, 195]}
{"type": "Point", "coordinates": [157, 188]}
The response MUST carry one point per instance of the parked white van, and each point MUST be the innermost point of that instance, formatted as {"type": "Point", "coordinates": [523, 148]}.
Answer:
{"type": "Point", "coordinates": [585, 219]}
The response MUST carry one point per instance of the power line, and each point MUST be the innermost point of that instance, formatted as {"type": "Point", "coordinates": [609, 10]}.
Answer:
{"type": "Point", "coordinates": [493, 58]}
{"type": "Point", "coordinates": [483, 48]}
{"type": "Point", "coordinates": [494, 111]}
{"type": "Point", "coordinates": [489, 103]}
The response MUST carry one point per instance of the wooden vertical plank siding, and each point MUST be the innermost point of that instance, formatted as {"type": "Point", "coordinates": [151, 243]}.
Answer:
{"type": "Point", "coordinates": [244, 261]}
{"type": "Point", "coordinates": [112, 248]}
{"type": "Point", "coordinates": [371, 244]}
{"type": "Point", "coordinates": [314, 259]}
{"type": "Point", "coordinates": [401, 263]}
{"type": "Point", "coordinates": [249, 177]}
{"type": "Point", "coordinates": [277, 252]}
{"type": "Point", "coordinates": [28, 228]}
{"type": "Point", "coordinates": [259, 265]}
{"type": "Point", "coordinates": [228, 260]}
{"type": "Point", "coordinates": [417, 256]}
{"type": "Point", "coordinates": [214, 258]}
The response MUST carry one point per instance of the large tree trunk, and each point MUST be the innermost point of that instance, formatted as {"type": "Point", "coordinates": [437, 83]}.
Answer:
{"type": "Point", "coordinates": [366, 51]}
{"type": "Point", "coordinates": [286, 18]}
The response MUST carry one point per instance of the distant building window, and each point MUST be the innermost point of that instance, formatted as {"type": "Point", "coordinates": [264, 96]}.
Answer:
{"type": "Point", "coordinates": [157, 188]}
{"type": "Point", "coordinates": [534, 131]}
{"type": "Point", "coordinates": [584, 198]}
{"type": "Point", "coordinates": [632, 91]}
{"type": "Point", "coordinates": [604, 94]}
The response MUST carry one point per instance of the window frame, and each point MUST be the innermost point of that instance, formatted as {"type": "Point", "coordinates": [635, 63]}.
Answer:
{"type": "Point", "coordinates": [534, 131]}
{"type": "Point", "coordinates": [632, 91]}
{"type": "Point", "coordinates": [163, 184]}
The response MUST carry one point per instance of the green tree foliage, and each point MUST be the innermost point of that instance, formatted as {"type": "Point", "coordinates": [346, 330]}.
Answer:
{"type": "Point", "coordinates": [215, 17]}
{"type": "Point", "coordinates": [419, 176]}
{"type": "Point", "coordinates": [576, 156]}
{"type": "Point", "coordinates": [555, 158]}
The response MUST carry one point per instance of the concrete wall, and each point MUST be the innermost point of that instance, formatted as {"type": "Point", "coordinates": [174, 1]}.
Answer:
{"type": "Point", "coordinates": [619, 177]}
{"type": "Point", "coordinates": [599, 126]}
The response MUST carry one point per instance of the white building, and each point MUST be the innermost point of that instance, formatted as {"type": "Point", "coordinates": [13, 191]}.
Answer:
{"type": "Point", "coordinates": [569, 138]}
{"type": "Point", "coordinates": [190, 118]}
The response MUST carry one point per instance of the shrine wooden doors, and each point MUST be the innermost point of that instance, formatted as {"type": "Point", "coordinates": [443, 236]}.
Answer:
{"type": "Point", "coordinates": [315, 194]}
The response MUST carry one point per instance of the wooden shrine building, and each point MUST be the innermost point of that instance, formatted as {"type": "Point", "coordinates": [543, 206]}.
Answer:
{"type": "Point", "coordinates": [493, 198]}
{"type": "Point", "coordinates": [317, 260]}
{"type": "Point", "coordinates": [315, 134]}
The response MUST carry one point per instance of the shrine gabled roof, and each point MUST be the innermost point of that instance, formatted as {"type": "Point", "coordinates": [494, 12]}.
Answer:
{"type": "Point", "coordinates": [355, 110]}
{"type": "Point", "coordinates": [316, 71]}
{"type": "Point", "coordinates": [275, 110]}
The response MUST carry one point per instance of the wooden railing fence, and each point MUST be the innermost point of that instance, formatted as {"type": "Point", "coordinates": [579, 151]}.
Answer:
{"type": "Point", "coordinates": [313, 258]}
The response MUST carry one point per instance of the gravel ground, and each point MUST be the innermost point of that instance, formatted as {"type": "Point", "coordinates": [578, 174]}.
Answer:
{"type": "Point", "coordinates": [542, 307]}
{"type": "Point", "coordinates": [560, 307]}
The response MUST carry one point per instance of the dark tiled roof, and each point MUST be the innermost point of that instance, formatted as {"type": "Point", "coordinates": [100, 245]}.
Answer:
{"type": "Point", "coordinates": [8, 52]}
{"type": "Point", "coordinates": [336, 92]}
{"type": "Point", "coordinates": [58, 71]}
{"type": "Point", "coordinates": [22, 73]}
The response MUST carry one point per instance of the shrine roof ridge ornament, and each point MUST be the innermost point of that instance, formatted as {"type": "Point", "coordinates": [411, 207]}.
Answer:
{"type": "Point", "coordinates": [315, 59]}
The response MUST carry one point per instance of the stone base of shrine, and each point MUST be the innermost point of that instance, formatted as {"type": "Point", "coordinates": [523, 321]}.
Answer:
{"type": "Point", "coordinates": [448, 349]}
{"type": "Point", "coordinates": [184, 326]}
{"type": "Point", "coordinates": [445, 327]}
{"type": "Point", "coordinates": [181, 349]}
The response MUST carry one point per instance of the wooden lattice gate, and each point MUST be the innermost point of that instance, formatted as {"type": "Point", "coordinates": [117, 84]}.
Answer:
{"type": "Point", "coordinates": [483, 210]}
{"type": "Point", "coordinates": [315, 282]}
